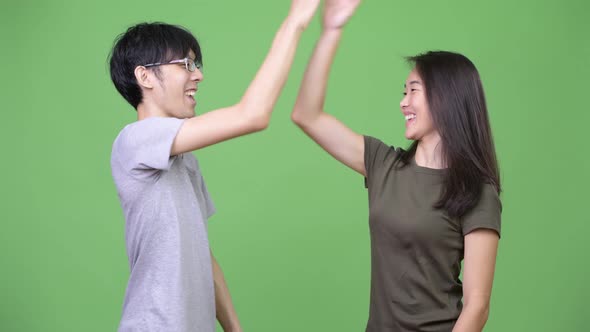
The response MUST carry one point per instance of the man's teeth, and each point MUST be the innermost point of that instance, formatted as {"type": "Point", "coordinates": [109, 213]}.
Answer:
{"type": "Point", "coordinates": [410, 116]}
{"type": "Point", "coordinates": [190, 93]}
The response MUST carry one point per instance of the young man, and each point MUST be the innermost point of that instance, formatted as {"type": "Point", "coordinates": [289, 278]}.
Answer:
{"type": "Point", "coordinates": [175, 282]}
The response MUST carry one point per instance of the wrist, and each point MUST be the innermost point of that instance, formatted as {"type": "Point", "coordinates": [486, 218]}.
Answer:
{"type": "Point", "coordinates": [296, 23]}
{"type": "Point", "coordinates": [233, 328]}
{"type": "Point", "coordinates": [331, 30]}
{"type": "Point", "coordinates": [232, 325]}
{"type": "Point", "coordinates": [331, 35]}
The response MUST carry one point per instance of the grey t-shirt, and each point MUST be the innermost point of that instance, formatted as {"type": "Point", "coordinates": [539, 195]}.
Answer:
{"type": "Point", "coordinates": [416, 249]}
{"type": "Point", "coordinates": [166, 205]}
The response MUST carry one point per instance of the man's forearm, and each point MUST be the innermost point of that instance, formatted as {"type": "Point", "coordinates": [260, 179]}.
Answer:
{"type": "Point", "coordinates": [226, 313]}
{"type": "Point", "coordinates": [263, 93]}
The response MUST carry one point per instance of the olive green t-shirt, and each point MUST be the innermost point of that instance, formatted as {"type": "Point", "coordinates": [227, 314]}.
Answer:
{"type": "Point", "coordinates": [416, 250]}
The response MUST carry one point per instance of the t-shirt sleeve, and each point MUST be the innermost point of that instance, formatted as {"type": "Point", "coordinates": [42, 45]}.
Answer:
{"type": "Point", "coordinates": [376, 152]}
{"type": "Point", "coordinates": [209, 206]}
{"type": "Point", "coordinates": [486, 214]}
{"type": "Point", "coordinates": [206, 202]}
{"type": "Point", "coordinates": [144, 146]}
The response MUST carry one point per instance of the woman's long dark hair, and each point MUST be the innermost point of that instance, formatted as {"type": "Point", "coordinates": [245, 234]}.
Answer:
{"type": "Point", "coordinates": [458, 108]}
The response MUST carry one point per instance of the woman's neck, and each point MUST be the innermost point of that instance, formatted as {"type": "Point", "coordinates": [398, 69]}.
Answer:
{"type": "Point", "coordinates": [429, 152]}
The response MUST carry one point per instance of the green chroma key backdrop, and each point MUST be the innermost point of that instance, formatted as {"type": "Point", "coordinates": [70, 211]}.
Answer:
{"type": "Point", "coordinates": [291, 231]}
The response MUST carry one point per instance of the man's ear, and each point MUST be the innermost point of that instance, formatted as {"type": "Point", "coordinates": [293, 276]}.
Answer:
{"type": "Point", "coordinates": [144, 77]}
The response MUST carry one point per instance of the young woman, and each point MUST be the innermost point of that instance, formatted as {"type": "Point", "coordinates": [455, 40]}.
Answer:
{"type": "Point", "coordinates": [431, 206]}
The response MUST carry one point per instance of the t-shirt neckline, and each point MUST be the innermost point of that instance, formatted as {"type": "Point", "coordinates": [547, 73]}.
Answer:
{"type": "Point", "coordinates": [427, 170]}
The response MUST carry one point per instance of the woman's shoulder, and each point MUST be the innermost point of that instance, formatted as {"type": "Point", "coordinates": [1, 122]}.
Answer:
{"type": "Point", "coordinates": [377, 145]}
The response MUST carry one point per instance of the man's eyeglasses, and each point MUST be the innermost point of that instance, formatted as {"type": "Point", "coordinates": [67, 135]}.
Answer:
{"type": "Point", "coordinates": [189, 64]}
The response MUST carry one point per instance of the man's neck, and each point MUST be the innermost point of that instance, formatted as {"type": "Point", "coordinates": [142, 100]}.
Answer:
{"type": "Point", "coordinates": [148, 110]}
